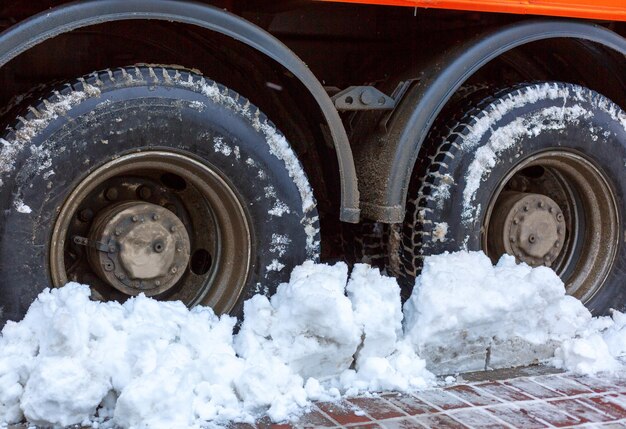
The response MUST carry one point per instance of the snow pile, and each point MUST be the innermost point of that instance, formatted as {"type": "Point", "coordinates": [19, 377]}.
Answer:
{"type": "Point", "coordinates": [465, 314]}
{"type": "Point", "coordinates": [157, 364]}
{"type": "Point", "coordinates": [597, 348]}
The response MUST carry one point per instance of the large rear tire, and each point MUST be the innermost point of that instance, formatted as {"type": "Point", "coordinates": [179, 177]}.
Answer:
{"type": "Point", "coordinates": [536, 171]}
{"type": "Point", "coordinates": [150, 180]}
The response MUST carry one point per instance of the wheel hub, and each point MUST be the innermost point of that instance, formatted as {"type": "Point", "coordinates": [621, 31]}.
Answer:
{"type": "Point", "coordinates": [529, 226]}
{"type": "Point", "coordinates": [142, 247]}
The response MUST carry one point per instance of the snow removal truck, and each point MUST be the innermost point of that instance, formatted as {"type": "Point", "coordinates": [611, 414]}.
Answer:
{"type": "Point", "coordinates": [198, 151]}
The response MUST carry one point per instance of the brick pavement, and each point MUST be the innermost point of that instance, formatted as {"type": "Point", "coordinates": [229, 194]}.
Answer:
{"type": "Point", "coordinates": [536, 401]}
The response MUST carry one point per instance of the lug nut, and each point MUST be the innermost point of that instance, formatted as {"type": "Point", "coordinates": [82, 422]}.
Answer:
{"type": "Point", "coordinates": [111, 194]}
{"type": "Point", "coordinates": [173, 228]}
{"type": "Point", "coordinates": [540, 204]}
{"type": "Point", "coordinates": [144, 192]}
{"type": "Point", "coordinates": [86, 215]}
{"type": "Point", "coordinates": [526, 208]}
{"type": "Point", "coordinates": [118, 231]}
{"type": "Point", "coordinates": [134, 218]}
{"type": "Point", "coordinates": [155, 217]}
{"type": "Point", "coordinates": [559, 217]}
{"type": "Point", "coordinates": [515, 221]}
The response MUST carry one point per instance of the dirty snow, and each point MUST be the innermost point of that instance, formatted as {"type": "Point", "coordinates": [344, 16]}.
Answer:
{"type": "Point", "coordinates": [324, 334]}
{"type": "Point", "coordinates": [440, 231]}
{"type": "Point", "coordinates": [21, 207]}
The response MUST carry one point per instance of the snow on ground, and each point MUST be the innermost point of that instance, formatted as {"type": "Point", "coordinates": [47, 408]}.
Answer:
{"type": "Point", "coordinates": [325, 333]}
{"type": "Point", "coordinates": [467, 315]}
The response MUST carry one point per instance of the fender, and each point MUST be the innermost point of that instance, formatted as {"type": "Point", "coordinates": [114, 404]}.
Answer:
{"type": "Point", "coordinates": [384, 194]}
{"type": "Point", "coordinates": [72, 16]}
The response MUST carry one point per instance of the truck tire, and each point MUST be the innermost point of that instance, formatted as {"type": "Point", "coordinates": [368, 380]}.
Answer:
{"type": "Point", "coordinates": [536, 171]}
{"type": "Point", "coordinates": [150, 180]}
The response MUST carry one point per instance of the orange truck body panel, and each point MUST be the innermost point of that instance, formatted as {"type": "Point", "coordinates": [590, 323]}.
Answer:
{"type": "Point", "coordinates": [610, 10]}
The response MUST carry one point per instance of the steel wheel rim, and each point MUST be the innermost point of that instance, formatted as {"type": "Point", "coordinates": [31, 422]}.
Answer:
{"type": "Point", "coordinates": [208, 206]}
{"type": "Point", "coordinates": [589, 209]}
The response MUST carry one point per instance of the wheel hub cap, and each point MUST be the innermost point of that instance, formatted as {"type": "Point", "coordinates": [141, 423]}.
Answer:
{"type": "Point", "coordinates": [142, 247]}
{"type": "Point", "coordinates": [530, 226]}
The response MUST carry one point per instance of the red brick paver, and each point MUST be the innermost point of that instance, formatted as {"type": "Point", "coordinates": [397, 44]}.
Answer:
{"type": "Point", "coordinates": [539, 401]}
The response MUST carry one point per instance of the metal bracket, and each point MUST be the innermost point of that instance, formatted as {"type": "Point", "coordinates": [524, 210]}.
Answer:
{"type": "Point", "coordinates": [362, 98]}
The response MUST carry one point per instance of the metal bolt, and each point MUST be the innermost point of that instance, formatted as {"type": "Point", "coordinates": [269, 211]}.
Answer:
{"type": "Point", "coordinates": [111, 248]}
{"type": "Point", "coordinates": [111, 194]}
{"type": "Point", "coordinates": [155, 217]}
{"type": "Point", "coordinates": [121, 276]}
{"type": "Point", "coordinates": [559, 217]}
{"type": "Point", "coordinates": [526, 208]}
{"type": "Point", "coordinates": [173, 270]}
{"type": "Point", "coordinates": [173, 228]}
{"type": "Point", "coordinates": [135, 218]}
{"type": "Point", "coordinates": [559, 230]}
{"type": "Point", "coordinates": [557, 244]}
{"type": "Point", "coordinates": [144, 192]}
{"type": "Point", "coordinates": [516, 221]}
{"type": "Point", "coordinates": [157, 282]}
{"type": "Point", "coordinates": [540, 204]}
{"type": "Point", "coordinates": [547, 261]}
{"type": "Point", "coordinates": [512, 239]}
{"type": "Point", "coordinates": [551, 209]}
{"type": "Point", "coordinates": [367, 97]}
{"type": "Point", "coordinates": [86, 215]}
{"type": "Point", "coordinates": [118, 231]}
{"type": "Point", "coordinates": [179, 249]}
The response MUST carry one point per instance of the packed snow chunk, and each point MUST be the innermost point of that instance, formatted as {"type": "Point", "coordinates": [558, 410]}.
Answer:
{"type": "Point", "coordinates": [308, 324]}
{"type": "Point", "coordinates": [402, 370]}
{"type": "Point", "coordinates": [614, 334]}
{"type": "Point", "coordinates": [596, 348]}
{"type": "Point", "coordinates": [383, 361]}
{"type": "Point", "coordinates": [586, 355]}
{"type": "Point", "coordinates": [63, 391]}
{"type": "Point", "coordinates": [465, 314]}
{"type": "Point", "coordinates": [377, 311]}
